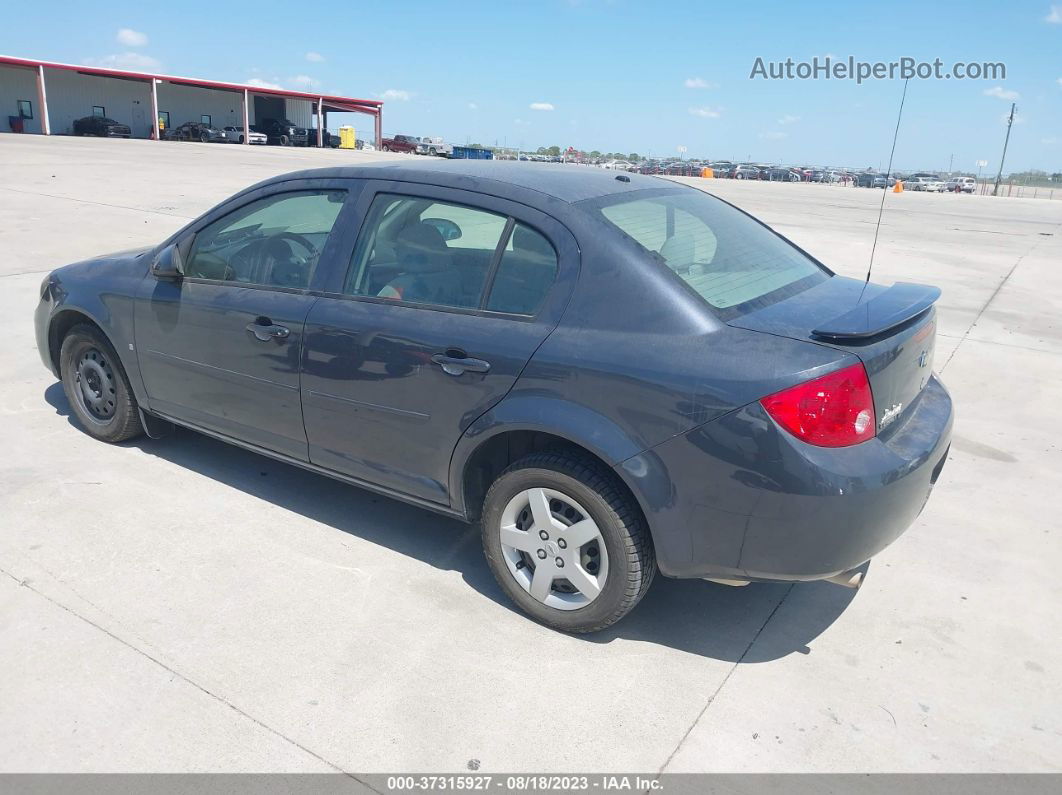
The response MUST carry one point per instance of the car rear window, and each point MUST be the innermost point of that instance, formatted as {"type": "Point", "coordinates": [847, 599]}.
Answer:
{"type": "Point", "coordinates": [730, 260]}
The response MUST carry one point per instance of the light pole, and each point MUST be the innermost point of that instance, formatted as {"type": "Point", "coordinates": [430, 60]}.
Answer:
{"type": "Point", "coordinates": [999, 176]}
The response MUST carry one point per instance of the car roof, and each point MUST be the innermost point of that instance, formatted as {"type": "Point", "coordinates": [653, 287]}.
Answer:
{"type": "Point", "coordinates": [568, 183]}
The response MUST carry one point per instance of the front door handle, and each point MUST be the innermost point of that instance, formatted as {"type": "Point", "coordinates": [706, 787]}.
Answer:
{"type": "Point", "coordinates": [456, 365]}
{"type": "Point", "coordinates": [265, 330]}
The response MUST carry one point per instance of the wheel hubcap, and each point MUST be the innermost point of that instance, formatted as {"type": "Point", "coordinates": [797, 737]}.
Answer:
{"type": "Point", "coordinates": [553, 549]}
{"type": "Point", "coordinates": [95, 385]}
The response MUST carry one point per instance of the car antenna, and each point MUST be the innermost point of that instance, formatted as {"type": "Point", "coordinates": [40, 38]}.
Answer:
{"type": "Point", "coordinates": [885, 190]}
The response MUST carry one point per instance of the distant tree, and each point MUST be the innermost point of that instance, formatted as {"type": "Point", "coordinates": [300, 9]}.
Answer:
{"type": "Point", "coordinates": [634, 157]}
{"type": "Point", "coordinates": [554, 151]}
{"type": "Point", "coordinates": [595, 154]}
{"type": "Point", "coordinates": [540, 151]}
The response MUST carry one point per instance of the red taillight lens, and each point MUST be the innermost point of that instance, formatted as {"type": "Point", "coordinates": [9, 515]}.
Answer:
{"type": "Point", "coordinates": [835, 410]}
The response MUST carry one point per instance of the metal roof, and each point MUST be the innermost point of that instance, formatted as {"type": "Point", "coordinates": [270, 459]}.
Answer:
{"type": "Point", "coordinates": [567, 182]}
{"type": "Point", "coordinates": [330, 102]}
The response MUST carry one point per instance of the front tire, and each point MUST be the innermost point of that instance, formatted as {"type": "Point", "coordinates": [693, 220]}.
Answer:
{"type": "Point", "coordinates": [566, 542]}
{"type": "Point", "coordinates": [96, 386]}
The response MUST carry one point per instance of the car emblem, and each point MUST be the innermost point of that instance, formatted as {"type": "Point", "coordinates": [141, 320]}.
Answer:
{"type": "Point", "coordinates": [890, 414]}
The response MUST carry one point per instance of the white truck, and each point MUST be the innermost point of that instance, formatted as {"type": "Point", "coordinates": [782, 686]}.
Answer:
{"type": "Point", "coordinates": [435, 147]}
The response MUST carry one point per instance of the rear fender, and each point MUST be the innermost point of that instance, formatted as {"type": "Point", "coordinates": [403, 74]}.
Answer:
{"type": "Point", "coordinates": [572, 422]}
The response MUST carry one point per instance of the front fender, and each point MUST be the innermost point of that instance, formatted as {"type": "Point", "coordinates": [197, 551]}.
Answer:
{"type": "Point", "coordinates": [101, 291]}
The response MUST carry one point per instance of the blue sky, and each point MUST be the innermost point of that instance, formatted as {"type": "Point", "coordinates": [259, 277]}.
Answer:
{"type": "Point", "coordinates": [620, 75]}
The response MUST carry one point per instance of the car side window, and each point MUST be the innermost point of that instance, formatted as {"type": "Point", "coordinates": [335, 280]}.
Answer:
{"type": "Point", "coordinates": [526, 271]}
{"type": "Point", "coordinates": [274, 241]}
{"type": "Point", "coordinates": [424, 251]}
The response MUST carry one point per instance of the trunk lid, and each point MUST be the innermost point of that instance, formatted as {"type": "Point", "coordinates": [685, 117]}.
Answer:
{"type": "Point", "coordinates": [891, 329]}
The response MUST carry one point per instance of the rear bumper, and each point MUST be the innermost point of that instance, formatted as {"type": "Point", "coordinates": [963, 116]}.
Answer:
{"type": "Point", "coordinates": [741, 498]}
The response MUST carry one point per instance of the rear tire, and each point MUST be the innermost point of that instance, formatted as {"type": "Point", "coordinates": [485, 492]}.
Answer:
{"type": "Point", "coordinates": [284, 140]}
{"type": "Point", "coordinates": [96, 386]}
{"type": "Point", "coordinates": [610, 558]}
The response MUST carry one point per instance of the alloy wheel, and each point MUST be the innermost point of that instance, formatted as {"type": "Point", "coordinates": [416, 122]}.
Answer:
{"type": "Point", "coordinates": [553, 548]}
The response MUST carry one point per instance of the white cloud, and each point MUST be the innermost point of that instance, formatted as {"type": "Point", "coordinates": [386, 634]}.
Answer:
{"type": "Point", "coordinates": [256, 81]}
{"type": "Point", "coordinates": [1049, 141]}
{"type": "Point", "coordinates": [303, 82]}
{"type": "Point", "coordinates": [314, 57]}
{"type": "Point", "coordinates": [1054, 16]}
{"type": "Point", "coordinates": [520, 122]}
{"type": "Point", "coordinates": [706, 113]}
{"type": "Point", "coordinates": [1060, 81]}
{"type": "Point", "coordinates": [131, 38]}
{"type": "Point", "coordinates": [396, 95]}
{"type": "Point", "coordinates": [540, 106]}
{"type": "Point", "coordinates": [1002, 93]}
{"type": "Point", "coordinates": [473, 106]}
{"type": "Point", "coordinates": [787, 119]}
{"type": "Point", "coordinates": [698, 82]}
{"type": "Point", "coordinates": [124, 60]}
{"type": "Point", "coordinates": [774, 135]}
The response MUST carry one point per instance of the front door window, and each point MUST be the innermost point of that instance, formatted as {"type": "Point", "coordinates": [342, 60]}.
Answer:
{"type": "Point", "coordinates": [274, 241]}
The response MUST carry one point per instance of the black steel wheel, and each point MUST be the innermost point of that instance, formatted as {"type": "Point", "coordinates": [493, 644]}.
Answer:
{"type": "Point", "coordinates": [96, 386]}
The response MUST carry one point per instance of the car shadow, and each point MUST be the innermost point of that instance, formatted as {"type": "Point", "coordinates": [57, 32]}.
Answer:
{"type": "Point", "coordinates": [716, 621]}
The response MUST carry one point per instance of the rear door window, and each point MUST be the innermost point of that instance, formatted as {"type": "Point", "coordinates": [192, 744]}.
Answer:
{"type": "Point", "coordinates": [422, 251]}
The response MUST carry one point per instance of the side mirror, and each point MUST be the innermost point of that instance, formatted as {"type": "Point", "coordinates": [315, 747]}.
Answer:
{"type": "Point", "coordinates": [447, 228]}
{"type": "Point", "coordinates": [167, 264]}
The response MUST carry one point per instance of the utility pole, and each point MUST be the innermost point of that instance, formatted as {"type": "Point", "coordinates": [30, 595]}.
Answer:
{"type": "Point", "coordinates": [951, 162]}
{"type": "Point", "coordinates": [999, 176]}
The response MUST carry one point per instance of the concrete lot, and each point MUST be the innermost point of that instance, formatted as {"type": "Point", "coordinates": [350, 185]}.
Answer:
{"type": "Point", "coordinates": [184, 605]}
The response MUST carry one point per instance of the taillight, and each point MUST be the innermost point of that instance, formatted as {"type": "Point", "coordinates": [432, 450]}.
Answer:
{"type": "Point", "coordinates": [835, 410]}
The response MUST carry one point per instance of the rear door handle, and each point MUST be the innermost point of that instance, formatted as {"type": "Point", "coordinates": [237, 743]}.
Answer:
{"type": "Point", "coordinates": [456, 365]}
{"type": "Point", "coordinates": [265, 330]}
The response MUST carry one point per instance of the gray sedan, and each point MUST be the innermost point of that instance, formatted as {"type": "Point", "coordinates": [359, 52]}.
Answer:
{"type": "Point", "coordinates": [612, 374]}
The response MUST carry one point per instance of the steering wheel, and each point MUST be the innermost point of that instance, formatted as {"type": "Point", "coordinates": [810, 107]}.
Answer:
{"type": "Point", "coordinates": [269, 266]}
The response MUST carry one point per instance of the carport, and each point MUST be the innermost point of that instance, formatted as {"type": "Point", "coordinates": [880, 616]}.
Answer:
{"type": "Point", "coordinates": [64, 92]}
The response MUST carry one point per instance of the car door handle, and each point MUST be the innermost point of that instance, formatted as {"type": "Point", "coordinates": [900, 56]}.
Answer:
{"type": "Point", "coordinates": [265, 330]}
{"type": "Point", "coordinates": [456, 365]}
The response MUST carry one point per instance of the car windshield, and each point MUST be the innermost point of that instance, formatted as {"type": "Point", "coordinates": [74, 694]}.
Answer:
{"type": "Point", "coordinates": [730, 260]}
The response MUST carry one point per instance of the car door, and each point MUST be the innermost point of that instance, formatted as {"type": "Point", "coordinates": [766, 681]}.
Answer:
{"type": "Point", "coordinates": [447, 295]}
{"type": "Point", "coordinates": [219, 347]}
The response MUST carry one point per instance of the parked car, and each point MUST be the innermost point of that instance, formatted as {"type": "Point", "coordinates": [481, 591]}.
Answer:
{"type": "Point", "coordinates": [328, 140]}
{"type": "Point", "coordinates": [961, 185]}
{"type": "Point", "coordinates": [237, 134]}
{"type": "Point", "coordinates": [871, 180]}
{"type": "Point", "coordinates": [790, 425]}
{"type": "Point", "coordinates": [282, 132]}
{"type": "Point", "coordinates": [434, 146]}
{"type": "Point", "coordinates": [401, 143]}
{"type": "Point", "coordinates": [745, 171]}
{"type": "Point", "coordinates": [924, 183]}
{"type": "Point", "coordinates": [618, 165]}
{"type": "Point", "coordinates": [782, 174]}
{"type": "Point", "coordinates": [195, 131]}
{"type": "Point", "coordinates": [102, 126]}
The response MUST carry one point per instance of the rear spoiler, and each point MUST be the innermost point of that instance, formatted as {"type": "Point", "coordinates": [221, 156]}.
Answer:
{"type": "Point", "coordinates": [898, 304]}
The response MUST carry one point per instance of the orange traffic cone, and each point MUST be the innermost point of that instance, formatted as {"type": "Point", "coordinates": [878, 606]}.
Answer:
{"type": "Point", "coordinates": [898, 187]}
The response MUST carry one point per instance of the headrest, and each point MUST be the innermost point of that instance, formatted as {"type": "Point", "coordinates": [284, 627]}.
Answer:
{"type": "Point", "coordinates": [422, 249]}
{"type": "Point", "coordinates": [678, 252]}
